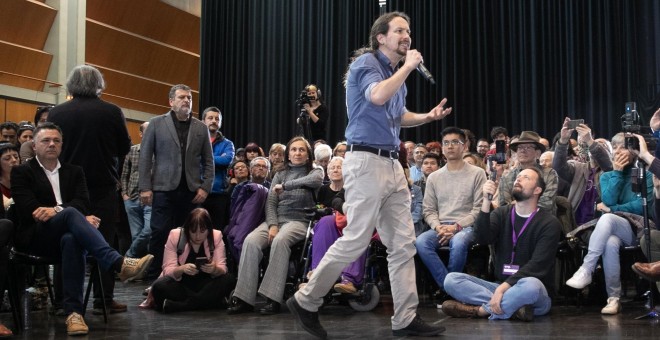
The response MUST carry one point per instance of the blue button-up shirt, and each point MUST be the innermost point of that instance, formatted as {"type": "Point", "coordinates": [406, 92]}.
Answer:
{"type": "Point", "coordinates": [373, 125]}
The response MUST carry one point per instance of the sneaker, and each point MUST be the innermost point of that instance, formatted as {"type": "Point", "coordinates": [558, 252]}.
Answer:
{"type": "Point", "coordinates": [456, 309]}
{"type": "Point", "coordinates": [613, 306]}
{"type": "Point", "coordinates": [75, 325]}
{"type": "Point", "coordinates": [113, 307]}
{"type": "Point", "coordinates": [308, 320]}
{"type": "Point", "coordinates": [524, 313]}
{"type": "Point", "coordinates": [418, 328]}
{"type": "Point", "coordinates": [580, 279]}
{"type": "Point", "coordinates": [345, 287]}
{"type": "Point", "coordinates": [133, 268]}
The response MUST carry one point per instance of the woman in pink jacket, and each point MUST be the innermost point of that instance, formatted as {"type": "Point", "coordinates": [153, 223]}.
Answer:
{"type": "Point", "coordinates": [194, 273]}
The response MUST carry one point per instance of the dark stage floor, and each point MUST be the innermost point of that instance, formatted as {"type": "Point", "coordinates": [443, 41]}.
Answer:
{"type": "Point", "coordinates": [341, 322]}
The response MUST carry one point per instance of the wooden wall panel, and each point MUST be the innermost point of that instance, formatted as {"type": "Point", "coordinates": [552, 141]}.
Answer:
{"type": "Point", "coordinates": [26, 22]}
{"type": "Point", "coordinates": [24, 61]}
{"type": "Point", "coordinates": [16, 111]}
{"type": "Point", "coordinates": [119, 50]}
{"type": "Point", "coordinates": [150, 18]}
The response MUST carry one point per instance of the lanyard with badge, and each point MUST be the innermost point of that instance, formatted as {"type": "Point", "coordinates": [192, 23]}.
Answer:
{"type": "Point", "coordinates": [510, 269]}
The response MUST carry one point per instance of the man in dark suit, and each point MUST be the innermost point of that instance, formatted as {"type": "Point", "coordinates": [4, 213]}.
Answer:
{"type": "Point", "coordinates": [51, 201]}
{"type": "Point", "coordinates": [176, 169]}
{"type": "Point", "coordinates": [97, 139]}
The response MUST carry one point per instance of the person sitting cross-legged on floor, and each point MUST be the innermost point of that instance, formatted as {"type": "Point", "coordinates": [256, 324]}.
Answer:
{"type": "Point", "coordinates": [50, 199]}
{"type": "Point", "coordinates": [620, 225]}
{"type": "Point", "coordinates": [194, 268]}
{"type": "Point", "coordinates": [525, 240]}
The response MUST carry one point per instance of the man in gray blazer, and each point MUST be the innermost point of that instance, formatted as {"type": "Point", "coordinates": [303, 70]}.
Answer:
{"type": "Point", "coordinates": [175, 169]}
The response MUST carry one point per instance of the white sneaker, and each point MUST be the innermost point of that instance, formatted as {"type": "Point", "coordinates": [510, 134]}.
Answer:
{"type": "Point", "coordinates": [613, 306]}
{"type": "Point", "coordinates": [580, 279]}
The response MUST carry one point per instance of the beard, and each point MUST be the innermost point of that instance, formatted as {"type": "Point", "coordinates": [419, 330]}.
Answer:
{"type": "Point", "coordinates": [518, 194]}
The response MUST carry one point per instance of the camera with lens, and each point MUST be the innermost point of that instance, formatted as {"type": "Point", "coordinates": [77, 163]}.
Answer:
{"type": "Point", "coordinates": [631, 123]}
{"type": "Point", "coordinates": [304, 99]}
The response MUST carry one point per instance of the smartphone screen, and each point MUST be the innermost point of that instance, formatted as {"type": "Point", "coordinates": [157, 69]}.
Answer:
{"type": "Point", "coordinates": [573, 123]}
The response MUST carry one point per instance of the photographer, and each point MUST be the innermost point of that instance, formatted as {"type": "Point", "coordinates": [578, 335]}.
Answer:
{"type": "Point", "coordinates": [583, 177]}
{"type": "Point", "coordinates": [316, 112]}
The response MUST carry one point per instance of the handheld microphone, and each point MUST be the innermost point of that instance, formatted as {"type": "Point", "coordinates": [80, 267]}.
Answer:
{"type": "Point", "coordinates": [425, 73]}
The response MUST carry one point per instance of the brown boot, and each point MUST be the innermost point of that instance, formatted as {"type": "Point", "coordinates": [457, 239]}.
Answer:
{"type": "Point", "coordinates": [649, 271]}
{"type": "Point", "coordinates": [456, 309]}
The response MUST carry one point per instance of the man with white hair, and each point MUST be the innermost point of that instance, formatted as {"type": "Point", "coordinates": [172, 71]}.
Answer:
{"type": "Point", "coordinates": [322, 154]}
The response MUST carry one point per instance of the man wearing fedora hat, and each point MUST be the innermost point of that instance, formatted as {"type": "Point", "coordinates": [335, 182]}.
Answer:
{"type": "Point", "coordinates": [528, 149]}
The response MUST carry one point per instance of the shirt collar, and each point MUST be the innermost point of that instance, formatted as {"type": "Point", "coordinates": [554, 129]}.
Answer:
{"type": "Point", "coordinates": [48, 171]}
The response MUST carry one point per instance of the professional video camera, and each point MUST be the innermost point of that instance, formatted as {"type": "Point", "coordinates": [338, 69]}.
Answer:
{"type": "Point", "coordinates": [631, 123]}
{"type": "Point", "coordinates": [304, 98]}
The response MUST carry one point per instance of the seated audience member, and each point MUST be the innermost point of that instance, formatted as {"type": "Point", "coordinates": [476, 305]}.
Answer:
{"type": "Point", "coordinates": [416, 169]}
{"type": "Point", "coordinates": [286, 224]}
{"type": "Point", "coordinates": [194, 273]}
{"type": "Point", "coordinates": [545, 142]}
{"type": "Point", "coordinates": [545, 160]}
{"type": "Point", "coordinates": [239, 173]}
{"type": "Point", "coordinates": [9, 132]}
{"type": "Point", "coordinates": [451, 204]}
{"type": "Point", "coordinates": [27, 149]}
{"type": "Point", "coordinates": [322, 154]}
{"type": "Point", "coordinates": [470, 142]}
{"type": "Point", "coordinates": [8, 160]}
{"type": "Point", "coordinates": [430, 164]}
{"type": "Point", "coordinates": [6, 232]}
{"type": "Point", "coordinates": [525, 240]}
{"type": "Point", "coordinates": [482, 148]}
{"type": "Point", "coordinates": [410, 153]}
{"type": "Point", "coordinates": [327, 192]}
{"type": "Point", "coordinates": [340, 149]}
{"type": "Point", "coordinates": [276, 158]}
{"type": "Point", "coordinates": [253, 150]}
{"type": "Point", "coordinates": [319, 142]}
{"type": "Point", "coordinates": [25, 133]}
{"type": "Point", "coordinates": [583, 178]}
{"type": "Point", "coordinates": [51, 199]}
{"type": "Point", "coordinates": [620, 225]}
{"type": "Point", "coordinates": [473, 159]}
{"type": "Point", "coordinates": [434, 147]}
{"type": "Point", "coordinates": [247, 207]}
{"type": "Point", "coordinates": [527, 150]}
{"type": "Point", "coordinates": [239, 155]}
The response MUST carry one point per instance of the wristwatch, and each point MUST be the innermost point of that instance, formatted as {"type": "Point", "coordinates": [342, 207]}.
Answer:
{"type": "Point", "coordinates": [58, 208]}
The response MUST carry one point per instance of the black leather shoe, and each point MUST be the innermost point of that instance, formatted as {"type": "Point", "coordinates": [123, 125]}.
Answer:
{"type": "Point", "coordinates": [239, 306]}
{"type": "Point", "coordinates": [308, 320]}
{"type": "Point", "coordinates": [270, 308]}
{"type": "Point", "coordinates": [418, 328]}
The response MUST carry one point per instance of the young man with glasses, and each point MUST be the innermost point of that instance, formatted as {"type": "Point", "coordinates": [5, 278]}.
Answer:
{"type": "Point", "coordinates": [528, 149]}
{"type": "Point", "coordinates": [450, 210]}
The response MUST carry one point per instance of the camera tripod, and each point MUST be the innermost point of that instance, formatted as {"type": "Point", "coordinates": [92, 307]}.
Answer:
{"type": "Point", "coordinates": [639, 177]}
{"type": "Point", "coordinates": [304, 128]}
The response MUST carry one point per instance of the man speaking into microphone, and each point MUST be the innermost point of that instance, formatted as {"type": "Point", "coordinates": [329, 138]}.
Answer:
{"type": "Point", "coordinates": [377, 193]}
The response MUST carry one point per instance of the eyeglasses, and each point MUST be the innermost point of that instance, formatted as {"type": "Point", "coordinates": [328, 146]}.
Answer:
{"type": "Point", "coordinates": [454, 142]}
{"type": "Point", "coordinates": [262, 166]}
{"type": "Point", "coordinates": [526, 148]}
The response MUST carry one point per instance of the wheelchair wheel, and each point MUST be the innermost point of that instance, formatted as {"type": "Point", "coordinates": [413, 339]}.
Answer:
{"type": "Point", "coordinates": [364, 304]}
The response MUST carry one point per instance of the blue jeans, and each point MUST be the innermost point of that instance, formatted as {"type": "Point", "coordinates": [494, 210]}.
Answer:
{"type": "Point", "coordinates": [427, 247]}
{"type": "Point", "coordinates": [139, 219]}
{"type": "Point", "coordinates": [67, 236]}
{"type": "Point", "coordinates": [611, 232]}
{"type": "Point", "coordinates": [474, 291]}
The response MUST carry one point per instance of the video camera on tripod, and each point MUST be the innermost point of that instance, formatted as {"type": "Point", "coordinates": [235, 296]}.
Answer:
{"type": "Point", "coordinates": [304, 99]}
{"type": "Point", "coordinates": [631, 123]}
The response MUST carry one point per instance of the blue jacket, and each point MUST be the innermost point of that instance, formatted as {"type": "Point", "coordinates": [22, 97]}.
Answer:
{"type": "Point", "coordinates": [617, 191]}
{"type": "Point", "coordinates": [223, 154]}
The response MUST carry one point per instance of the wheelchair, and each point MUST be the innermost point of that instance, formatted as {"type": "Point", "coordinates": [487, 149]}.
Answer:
{"type": "Point", "coordinates": [375, 278]}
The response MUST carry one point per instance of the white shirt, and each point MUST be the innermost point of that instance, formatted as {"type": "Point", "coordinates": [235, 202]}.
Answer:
{"type": "Point", "coordinates": [54, 179]}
